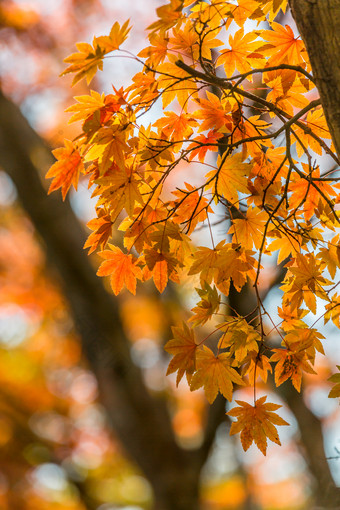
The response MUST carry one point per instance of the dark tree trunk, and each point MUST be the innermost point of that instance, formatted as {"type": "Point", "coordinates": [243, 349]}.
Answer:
{"type": "Point", "coordinates": [141, 421]}
{"type": "Point", "coordinates": [318, 22]}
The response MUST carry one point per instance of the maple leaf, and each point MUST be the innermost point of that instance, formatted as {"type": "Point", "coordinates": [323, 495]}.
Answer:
{"type": "Point", "coordinates": [305, 195]}
{"type": "Point", "coordinates": [333, 311]}
{"type": "Point", "coordinates": [256, 423]}
{"type": "Point", "coordinates": [292, 317]}
{"type": "Point", "coordinates": [66, 170]}
{"type": "Point", "coordinates": [191, 207]}
{"type": "Point", "coordinates": [183, 346]}
{"type": "Point", "coordinates": [169, 15]}
{"type": "Point", "coordinates": [89, 58]}
{"type": "Point", "coordinates": [286, 244]}
{"type": "Point", "coordinates": [108, 146]}
{"type": "Point", "coordinates": [162, 266]}
{"type": "Point", "coordinates": [335, 378]}
{"type": "Point", "coordinates": [176, 127]}
{"type": "Point", "coordinates": [202, 144]}
{"type": "Point", "coordinates": [331, 255]}
{"type": "Point", "coordinates": [235, 263]}
{"type": "Point", "coordinates": [240, 338]}
{"type": "Point", "coordinates": [119, 189]}
{"type": "Point", "coordinates": [117, 36]}
{"type": "Point", "coordinates": [216, 114]}
{"type": "Point", "coordinates": [306, 283]}
{"type": "Point", "coordinates": [242, 53]}
{"type": "Point", "coordinates": [188, 41]}
{"type": "Point", "coordinates": [248, 231]}
{"type": "Point", "coordinates": [215, 373]}
{"type": "Point", "coordinates": [256, 366]}
{"type": "Point", "coordinates": [175, 83]}
{"type": "Point", "coordinates": [209, 304]}
{"type": "Point", "coordinates": [316, 122]}
{"type": "Point", "coordinates": [122, 269]}
{"type": "Point", "coordinates": [87, 105]}
{"type": "Point", "coordinates": [230, 178]}
{"type": "Point", "coordinates": [290, 365]}
{"type": "Point", "coordinates": [85, 63]}
{"type": "Point", "coordinates": [205, 263]}
{"type": "Point", "coordinates": [273, 8]}
{"type": "Point", "coordinates": [156, 53]}
{"type": "Point", "coordinates": [285, 47]}
{"type": "Point", "coordinates": [102, 226]}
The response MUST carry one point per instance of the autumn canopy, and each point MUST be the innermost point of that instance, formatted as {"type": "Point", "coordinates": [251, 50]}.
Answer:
{"type": "Point", "coordinates": [241, 119]}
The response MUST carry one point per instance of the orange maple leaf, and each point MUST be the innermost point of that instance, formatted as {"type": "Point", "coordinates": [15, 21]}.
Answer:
{"type": "Point", "coordinates": [256, 423]}
{"type": "Point", "coordinates": [285, 47]}
{"type": "Point", "coordinates": [102, 226]}
{"type": "Point", "coordinates": [215, 373]}
{"type": "Point", "coordinates": [202, 144]}
{"type": "Point", "coordinates": [290, 365]}
{"type": "Point", "coordinates": [231, 178]}
{"type": "Point", "coordinates": [216, 114]}
{"type": "Point", "coordinates": [242, 53]}
{"type": "Point", "coordinates": [191, 207]}
{"type": "Point", "coordinates": [162, 267]}
{"type": "Point", "coordinates": [183, 346]}
{"type": "Point", "coordinates": [248, 231]}
{"type": "Point", "coordinates": [122, 268]}
{"type": "Point", "coordinates": [66, 170]}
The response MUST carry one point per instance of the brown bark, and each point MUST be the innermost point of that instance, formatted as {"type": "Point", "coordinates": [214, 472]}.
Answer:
{"type": "Point", "coordinates": [326, 494]}
{"type": "Point", "coordinates": [318, 22]}
{"type": "Point", "coordinates": [141, 421]}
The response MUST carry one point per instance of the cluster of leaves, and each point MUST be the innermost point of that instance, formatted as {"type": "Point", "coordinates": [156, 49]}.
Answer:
{"type": "Point", "coordinates": [250, 98]}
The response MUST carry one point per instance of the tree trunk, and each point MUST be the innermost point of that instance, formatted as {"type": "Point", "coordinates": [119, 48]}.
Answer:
{"type": "Point", "coordinates": [141, 421]}
{"type": "Point", "coordinates": [318, 22]}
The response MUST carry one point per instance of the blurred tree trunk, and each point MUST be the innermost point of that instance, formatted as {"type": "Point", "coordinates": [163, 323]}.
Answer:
{"type": "Point", "coordinates": [141, 421]}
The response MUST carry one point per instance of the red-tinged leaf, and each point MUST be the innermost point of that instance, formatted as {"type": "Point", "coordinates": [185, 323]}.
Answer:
{"type": "Point", "coordinates": [65, 172]}
{"type": "Point", "coordinates": [122, 268]}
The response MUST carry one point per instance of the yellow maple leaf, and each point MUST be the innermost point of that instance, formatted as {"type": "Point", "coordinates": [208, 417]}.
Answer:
{"type": "Point", "coordinates": [249, 231]}
{"type": "Point", "coordinates": [205, 263]}
{"type": "Point", "coordinates": [108, 145]}
{"type": "Point", "coordinates": [209, 304]}
{"type": "Point", "coordinates": [256, 423]}
{"type": "Point", "coordinates": [230, 178]}
{"type": "Point", "coordinates": [89, 58]}
{"type": "Point", "coordinates": [335, 378]}
{"type": "Point", "coordinates": [183, 346]}
{"type": "Point", "coordinates": [117, 36]}
{"type": "Point", "coordinates": [215, 373]}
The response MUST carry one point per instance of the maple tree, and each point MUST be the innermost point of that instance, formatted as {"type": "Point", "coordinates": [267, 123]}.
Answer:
{"type": "Point", "coordinates": [275, 200]}
{"type": "Point", "coordinates": [160, 195]}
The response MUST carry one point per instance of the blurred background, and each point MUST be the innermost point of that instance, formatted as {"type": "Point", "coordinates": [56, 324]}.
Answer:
{"type": "Point", "coordinates": [73, 434]}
